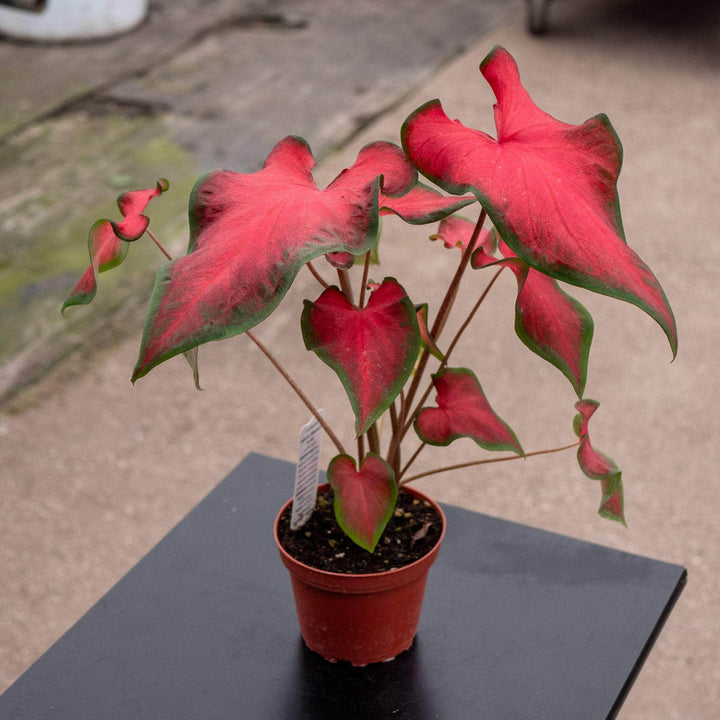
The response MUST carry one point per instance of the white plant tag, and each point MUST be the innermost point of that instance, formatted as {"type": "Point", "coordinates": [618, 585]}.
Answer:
{"type": "Point", "coordinates": [306, 474]}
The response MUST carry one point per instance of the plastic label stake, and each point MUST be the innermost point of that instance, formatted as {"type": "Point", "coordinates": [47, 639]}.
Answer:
{"type": "Point", "coordinates": [306, 474]}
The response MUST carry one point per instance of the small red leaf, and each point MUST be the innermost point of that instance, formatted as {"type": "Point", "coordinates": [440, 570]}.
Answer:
{"type": "Point", "coordinates": [456, 231]}
{"type": "Point", "coordinates": [132, 204]}
{"type": "Point", "coordinates": [107, 240]}
{"type": "Point", "coordinates": [427, 340]}
{"type": "Point", "coordinates": [106, 252]}
{"type": "Point", "coordinates": [250, 234]}
{"type": "Point", "coordinates": [341, 260]}
{"type": "Point", "coordinates": [463, 411]}
{"type": "Point", "coordinates": [421, 205]}
{"type": "Point", "coordinates": [548, 187]}
{"type": "Point", "coordinates": [364, 500]}
{"type": "Point", "coordinates": [598, 466]}
{"type": "Point", "coordinates": [372, 349]}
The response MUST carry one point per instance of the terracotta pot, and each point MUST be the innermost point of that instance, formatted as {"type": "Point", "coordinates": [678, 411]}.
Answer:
{"type": "Point", "coordinates": [359, 618]}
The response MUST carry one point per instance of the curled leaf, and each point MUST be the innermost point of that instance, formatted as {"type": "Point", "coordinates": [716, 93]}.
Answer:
{"type": "Point", "coordinates": [364, 499]}
{"type": "Point", "coordinates": [463, 411]}
{"type": "Point", "coordinates": [421, 205]}
{"type": "Point", "coordinates": [548, 187]}
{"type": "Point", "coordinates": [456, 231]}
{"type": "Point", "coordinates": [598, 466]}
{"type": "Point", "coordinates": [107, 251]}
{"type": "Point", "coordinates": [107, 240]}
{"type": "Point", "coordinates": [132, 204]}
{"type": "Point", "coordinates": [427, 340]}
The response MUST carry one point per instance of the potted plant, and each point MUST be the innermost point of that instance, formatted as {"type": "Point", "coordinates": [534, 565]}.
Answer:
{"type": "Point", "coordinates": [547, 192]}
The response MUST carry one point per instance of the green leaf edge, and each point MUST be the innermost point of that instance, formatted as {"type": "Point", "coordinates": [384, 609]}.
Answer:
{"type": "Point", "coordinates": [492, 447]}
{"type": "Point", "coordinates": [386, 518]}
{"type": "Point", "coordinates": [393, 391]}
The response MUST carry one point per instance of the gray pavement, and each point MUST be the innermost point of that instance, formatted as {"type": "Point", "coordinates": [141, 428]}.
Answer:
{"type": "Point", "coordinates": [95, 471]}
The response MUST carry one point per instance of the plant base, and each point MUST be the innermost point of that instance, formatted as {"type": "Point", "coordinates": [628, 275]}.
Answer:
{"type": "Point", "coordinates": [359, 618]}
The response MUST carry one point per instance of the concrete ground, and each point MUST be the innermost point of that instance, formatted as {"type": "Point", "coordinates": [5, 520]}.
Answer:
{"type": "Point", "coordinates": [95, 471]}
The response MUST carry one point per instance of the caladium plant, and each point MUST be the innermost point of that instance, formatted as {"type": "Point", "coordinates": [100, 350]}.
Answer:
{"type": "Point", "coordinates": [548, 190]}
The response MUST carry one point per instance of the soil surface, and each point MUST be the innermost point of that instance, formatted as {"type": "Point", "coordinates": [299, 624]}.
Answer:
{"type": "Point", "coordinates": [412, 532]}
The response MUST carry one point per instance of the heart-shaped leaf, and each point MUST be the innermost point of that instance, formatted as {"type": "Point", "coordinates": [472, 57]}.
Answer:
{"type": "Point", "coordinates": [250, 234]}
{"type": "Point", "coordinates": [364, 499]}
{"type": "Point", "coordinates": [598, 466]}
{"type": "Point", "coordinates": [372, 349]}
{"type": "Point", "coordinates": [463, 411]}
{"type": "Point", "coordinates": [548, 187]}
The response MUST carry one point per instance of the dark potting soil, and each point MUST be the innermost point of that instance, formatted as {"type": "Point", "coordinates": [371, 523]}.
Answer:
{"type": "Point", "coordinates": [412, 532]}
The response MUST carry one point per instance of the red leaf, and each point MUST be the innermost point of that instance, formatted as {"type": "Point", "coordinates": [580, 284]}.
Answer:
{"type": "Point", "coordinates": [598, 466]}
{"type": "Point", "coordinates": [341, 260]}
{"type": "Point", "coordinates": [456, 232]}
{"type": "Point", "coordinates": [418, 206]}
{"type": "Point", "coordinates": [250, 234]}
{"type": "Point", "coordinates": [426, 338]}
{"type": "Point", "coordinates": [106, 251]}
{"type": "Point", "coordinates": [132, 204]}
{"type": "Point", "coordinates": [372, 349]}
{"type": "Point", "coordinates": [552, 324]}
{"type": "Point", "coordinates": [421, 205]}
{"type": "Point", "coordinates": [548, 187]}
{"type": "Point", "coordinates": [364, 500]}
{"type": "Point", "coordinates": [463, 411]}
{"type": "Point", "coordinates": [106, 241]}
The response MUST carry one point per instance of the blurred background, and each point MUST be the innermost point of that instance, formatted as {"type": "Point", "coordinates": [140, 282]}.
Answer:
{"type": "Point", "coordinates": [94, 471]}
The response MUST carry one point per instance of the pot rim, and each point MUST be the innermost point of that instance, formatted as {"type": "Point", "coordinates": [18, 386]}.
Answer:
{"type": "Point", "coordinates": [408, 572]}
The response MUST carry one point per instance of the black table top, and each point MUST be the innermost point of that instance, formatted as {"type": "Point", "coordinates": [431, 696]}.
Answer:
{"type": "Point", "coordinates": [518, 623]}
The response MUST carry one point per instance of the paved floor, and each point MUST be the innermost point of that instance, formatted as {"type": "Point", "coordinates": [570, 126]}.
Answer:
{"type": "Point", "coordinates": [95, 471]}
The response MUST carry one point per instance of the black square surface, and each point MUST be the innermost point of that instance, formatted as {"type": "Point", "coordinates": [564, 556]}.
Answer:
{"type": "Point", "coordinates": [518, 623]}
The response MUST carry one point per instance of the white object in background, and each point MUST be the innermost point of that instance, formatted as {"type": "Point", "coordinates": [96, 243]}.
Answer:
{"type": "Point", "coordinates": [62, 20]}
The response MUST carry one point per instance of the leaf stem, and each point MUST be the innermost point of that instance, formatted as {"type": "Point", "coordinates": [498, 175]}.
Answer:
{"type": "Point", "coordinates": [411, 461]}
{"type": "Point", "coordinates": [366, 270]}
{"type": "Point", "coordinates": [438, 325]}
{"type": "Point", "coordinates": [469, 318]}
{"type": "Point", "coordinates": [317, 275]}
{"type": "Point", "coordinates": [298, 392]}
{"type": "Point", "coordinates": [373, 439]}
{"type": "Point", "coordinates": [157, 242]}
{"type": "Point", "coordinates": [487, 461]}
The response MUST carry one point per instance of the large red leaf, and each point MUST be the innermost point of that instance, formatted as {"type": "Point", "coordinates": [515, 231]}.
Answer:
{"type": "Point", "coordinates": [364, 499]}
{"type": "Point", "coordinates": [463, 411]}
{"type": "Point", "coordinates": [250, 234]}
{"type": "Point", "coordinates": [372, 349]}
{"type": "Point", "coordinates": [549, 188]}
{"type": "Point", "coordinates": [598, 466]}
